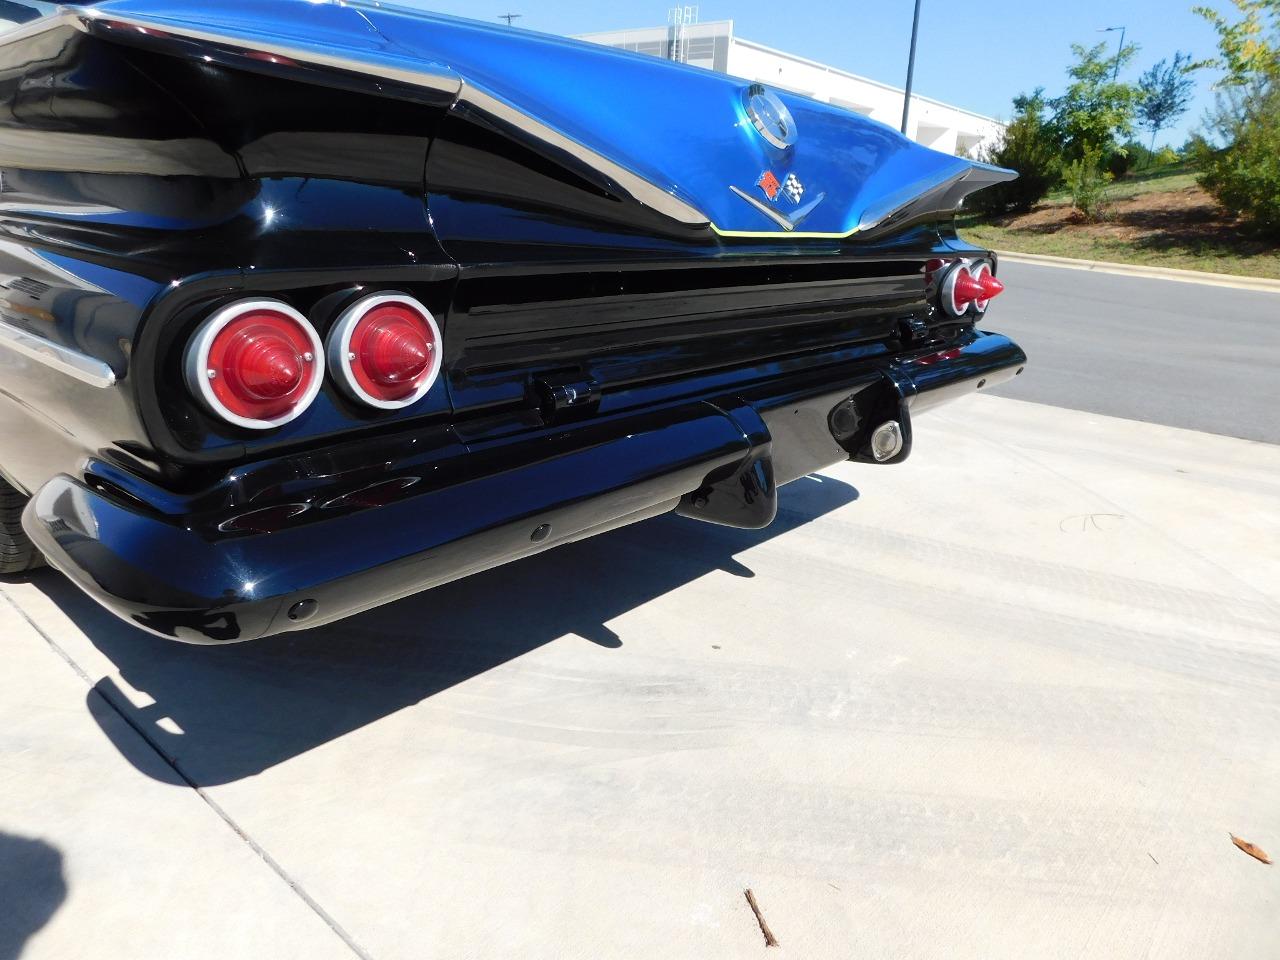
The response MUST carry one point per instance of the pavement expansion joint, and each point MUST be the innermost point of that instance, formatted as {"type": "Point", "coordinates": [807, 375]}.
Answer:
{"type": "Point", "coordinates": [212, 804]}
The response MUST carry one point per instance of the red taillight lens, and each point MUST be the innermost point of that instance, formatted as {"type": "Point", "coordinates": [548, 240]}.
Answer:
{"type": "Point", "coordinates": [392, 350]}
{"type": "Point", "coordinates": [967, 288]}
{"type": "Point", "coordinates": [987, 283]}
{"type": "Point", "coordinates": [385, 350]}
{"type": "Point", "coordinates": [257, 364]}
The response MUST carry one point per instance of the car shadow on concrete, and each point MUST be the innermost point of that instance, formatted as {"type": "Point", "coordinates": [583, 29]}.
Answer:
{"type": "Point", "coordinates": [222, 713]}
{"type": "Point", "coordinates": [32, 887]}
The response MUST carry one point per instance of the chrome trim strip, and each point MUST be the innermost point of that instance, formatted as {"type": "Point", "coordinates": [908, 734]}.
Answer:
{"type": "Point", "coordinates": [640, 189]}
{"type": "Point", "coordinates": [417, 76]}
{"type": "Point", "coordinates": [779, 218]}
{"type": "Point", "coordinates": [74, 364]}
{"type": "Point", "coordinates": [800, 214]}
{"type": "Point", "coordinates": [785, 221]}
{"type": "Point", "coordinates": [651, 195]}
{"type": "Point", "coordinates": [33, 28]}
{"type": "Point", "coordinates": [643, 191]}
{"type": "Point", "coordinates": [890, 207]}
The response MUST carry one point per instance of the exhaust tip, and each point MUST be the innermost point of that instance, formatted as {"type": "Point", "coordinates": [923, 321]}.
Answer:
{"type": "Point", "coordinates": [886, 441]}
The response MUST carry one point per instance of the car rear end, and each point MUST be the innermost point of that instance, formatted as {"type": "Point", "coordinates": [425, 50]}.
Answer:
{"type": "Point", "coordinates": [401, 322]}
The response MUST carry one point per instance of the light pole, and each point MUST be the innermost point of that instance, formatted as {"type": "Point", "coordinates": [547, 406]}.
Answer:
{"type": "Point", "coordinates": [911, 68]}
{"type": "Point", "coordinates": [1116, 72]}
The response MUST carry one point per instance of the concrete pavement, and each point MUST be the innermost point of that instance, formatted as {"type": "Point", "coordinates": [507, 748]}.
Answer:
{"type": "Point", "coordinates": [1005, 700]}
{"type": "Point", "coordinates": [105, 851]}
{"type": "Point", "coordinates": [1162, 351]}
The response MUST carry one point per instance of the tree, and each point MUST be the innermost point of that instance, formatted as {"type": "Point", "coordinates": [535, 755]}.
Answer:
{"type": "Point", "coordinates": [1096, 109]}
{"type": "Point", "coordinates": [1245, 52]}
{"type": "Point", "coordinates": [1244, 174]}
{"type": "Point", "coordinates": [1166, 94]}
{"type": "Point", "coordinates": [1029, 147]}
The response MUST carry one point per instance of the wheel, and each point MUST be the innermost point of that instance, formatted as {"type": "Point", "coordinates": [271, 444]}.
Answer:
{"type": "Point", "coordinates": [16, 552]}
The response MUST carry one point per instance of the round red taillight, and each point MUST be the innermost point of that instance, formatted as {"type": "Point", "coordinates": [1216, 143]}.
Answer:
{"type": "Point", "coordinates": [988, 285]}
{"type": "Point", "coordinates": [967, 288]}
{"type": "Point", "coordinates": [256, 364]}
{"type": "Point", "coordinates": [384, 350]}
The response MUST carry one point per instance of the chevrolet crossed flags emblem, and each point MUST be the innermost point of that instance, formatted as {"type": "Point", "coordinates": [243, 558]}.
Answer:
{"type": "Point", "coordinates": [773, 189]}
{"type": "Point", "coordinates": [793, 188]}
{"type": "Point", "coordinates": [770, 185]}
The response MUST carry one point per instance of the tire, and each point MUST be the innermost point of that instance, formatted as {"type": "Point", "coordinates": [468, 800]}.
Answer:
{"type": "Point", "coordinates": [16, 552]}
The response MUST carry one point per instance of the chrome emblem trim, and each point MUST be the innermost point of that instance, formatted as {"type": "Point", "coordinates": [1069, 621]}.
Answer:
{"type": "Point", "coordinates": [787, 221]}
{"type": "Point", "coordinates": [770, 116]}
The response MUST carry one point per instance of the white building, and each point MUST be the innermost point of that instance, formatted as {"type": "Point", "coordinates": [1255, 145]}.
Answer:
{"type": "Point", "coordinates": [714, 46]}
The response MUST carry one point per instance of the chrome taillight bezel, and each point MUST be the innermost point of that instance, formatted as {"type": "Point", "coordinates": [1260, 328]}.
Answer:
{"type": "Point", "coordinates": [196, 367]}
{"type": "Point", "coordinates": [975, 269]}
{"type": "Point", "coordinates": [338, 350]}
{"type": "Point", "coordinates": [947, 290]}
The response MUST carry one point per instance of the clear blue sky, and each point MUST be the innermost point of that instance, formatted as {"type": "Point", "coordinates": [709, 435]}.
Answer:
{"type": "Point", "coordinates": [976, 56]}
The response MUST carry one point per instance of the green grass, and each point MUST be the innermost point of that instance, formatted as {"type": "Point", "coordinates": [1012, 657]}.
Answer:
{"type": "Point", "coordinates": [1208, 257]}
{"type": "Point", "coordinates": [1175, 176]}
{"type": "Point", "coordinates": [1216, 247]}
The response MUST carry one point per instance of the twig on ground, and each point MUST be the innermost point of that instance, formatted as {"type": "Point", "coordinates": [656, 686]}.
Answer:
{"type": "Point", "coordinates": [769, 939]}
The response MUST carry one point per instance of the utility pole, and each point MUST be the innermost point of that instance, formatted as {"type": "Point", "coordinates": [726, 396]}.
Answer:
{"type": "Point", "coordinates": [509, 17]}
{"type": "Point", "coordinates": [1116, 72]}
{"type": "Point", "coordinates": [911, 68]}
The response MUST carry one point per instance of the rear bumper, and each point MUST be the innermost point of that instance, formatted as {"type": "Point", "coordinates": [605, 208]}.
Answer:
{"type": "Point", "coordinates": [323, 541]}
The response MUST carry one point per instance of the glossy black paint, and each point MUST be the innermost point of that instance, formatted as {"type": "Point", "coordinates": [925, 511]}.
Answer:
{"type": "Point", "coordinates": [144, 179]}
{"type": "Point", "coordinates": [602, 363]}
{"type": "Point", "coordinates": [340, 530]}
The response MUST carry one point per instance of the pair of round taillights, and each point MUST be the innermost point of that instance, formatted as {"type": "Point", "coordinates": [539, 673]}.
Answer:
{"type": "Point", "coordinates": [967, 288]}
{"type": "Point", "coordinates": [259, 363]}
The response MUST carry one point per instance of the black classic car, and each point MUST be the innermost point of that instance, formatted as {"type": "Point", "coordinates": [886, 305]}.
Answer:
{"type": "Point", "coordinates": [309, 306]}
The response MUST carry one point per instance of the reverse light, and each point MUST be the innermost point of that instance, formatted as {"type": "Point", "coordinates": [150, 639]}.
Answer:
{"type": "Point", "coordinates": [256, 363]}
{"type": "Point", "coordinates": [384, 351]}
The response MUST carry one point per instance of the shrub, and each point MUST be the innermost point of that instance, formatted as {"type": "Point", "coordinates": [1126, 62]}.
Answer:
{"type": "Point", "coordinates": [1129, 158]}
{"type": "Point", "coordinates": [1118, 162]}
{"type": "Point", "coordinates": [1028, 146]}
{"type": "Point", "coordinates": [1166, 156]}
{"type": "Point", "coordinates": [1087, 181]}
{"type": "Point", "coordinates": [1191, 148]}
{"type": "Point", "coordinates": [1245, 175]}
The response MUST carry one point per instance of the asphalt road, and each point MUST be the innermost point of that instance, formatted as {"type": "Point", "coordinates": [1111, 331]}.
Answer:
{"type": "Point", "coordinates": [1161, 351]}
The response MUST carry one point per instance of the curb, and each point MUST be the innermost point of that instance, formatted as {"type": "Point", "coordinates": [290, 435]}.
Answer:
{"type": "Point", "coordinates": [1154, 273]}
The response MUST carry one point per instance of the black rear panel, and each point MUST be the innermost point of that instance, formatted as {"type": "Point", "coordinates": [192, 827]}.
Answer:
{"type": "Point", "coordinates": [623, 323]}
{"type": "Point", "coordinates": [562, 279]}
